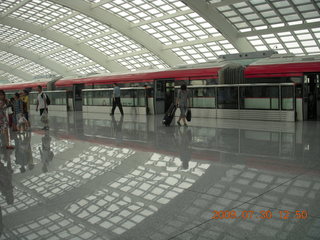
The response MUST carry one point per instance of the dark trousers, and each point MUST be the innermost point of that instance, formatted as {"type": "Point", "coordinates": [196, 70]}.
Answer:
{"type": "Point", "coordinates": [116, 102]}
{"type": "Point", "coordinates": [42, 110]}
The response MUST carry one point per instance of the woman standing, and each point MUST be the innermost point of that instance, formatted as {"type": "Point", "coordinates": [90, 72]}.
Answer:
{"type": "Point", "coordinates": [183, 102]}
{"type": "Point", "coordinates": [4, 124]}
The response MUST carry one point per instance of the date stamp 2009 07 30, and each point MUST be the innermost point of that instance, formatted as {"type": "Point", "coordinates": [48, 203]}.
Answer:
{"type": "Point", "coordinates": [282, 214]}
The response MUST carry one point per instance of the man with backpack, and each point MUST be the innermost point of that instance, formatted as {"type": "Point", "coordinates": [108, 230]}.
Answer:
{"type": "Point", "coordinates": [42, 104]}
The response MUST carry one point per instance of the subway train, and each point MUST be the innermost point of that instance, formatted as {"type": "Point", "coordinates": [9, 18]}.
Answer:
{"type": "Point", "coordinates": [253, 86]}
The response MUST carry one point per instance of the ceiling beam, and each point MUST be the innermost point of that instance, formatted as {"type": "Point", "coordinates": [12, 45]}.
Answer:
{"type": "Point", "coordinates": [41, 60]}
{"type": "Point", "coordinates": [124, 27]}
{"type": "Point", "coordinates": [194, 42]}
{"type": "Point", "coordinates": [290, 28]}
{"type": "Point", "coordinates": [219, 22]}
{"type": "Point", "coordinates": [66, 41]}
{"type": "Point", "coordinates": [226, 2]}
{"type": "Point", "coordinates": [17, 72]}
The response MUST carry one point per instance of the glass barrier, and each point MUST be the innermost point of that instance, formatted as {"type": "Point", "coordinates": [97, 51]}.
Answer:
{"type": "Point", "coordinates": [203, 97]}
{"type": "Point", "coordinates": [287, 97]}
{"type": "Point", "coordinates": [129, 98]}
{"type": "Point", "coordinates": [141, 98]}
{"type": "Point", "coordinates": [259, 97]}
{"type": "Point", "coordinates": [97, 98]}
{"type": "Point", "coordinates": [56, 98]}
{"type": "Point", "coordinates": [33, 98]}
{"type": "Point", "coordinates": [228, 97]}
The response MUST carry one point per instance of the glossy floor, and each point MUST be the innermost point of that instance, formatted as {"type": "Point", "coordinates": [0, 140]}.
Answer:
{"type": "Point", "coordinates": [102, 177]}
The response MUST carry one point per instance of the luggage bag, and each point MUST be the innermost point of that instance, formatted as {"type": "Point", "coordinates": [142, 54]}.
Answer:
{"type": "Point", "coordinates": [167, 119]}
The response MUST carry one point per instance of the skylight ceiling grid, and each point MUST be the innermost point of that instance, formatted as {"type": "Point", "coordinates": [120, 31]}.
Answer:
{"type": "Point", "coordinates": [41, 12]}
{"type": "Point", "coordinates": [180, 29]}
{"type": "Point", "coordinates": [6, 4]}
{"type": "Point", "coordinates": [11, 78]}
{"type": "Point", "coordinates": [114, 44]}
{"type": "Point", "coordinates": [200, 53]}
{"type": "Point", "coordinates": [95, 68]}
{"type": "Point", "coordinates": [147, 60]}
{"type": "Point", "coordinates": [39, 44]}
{"type": "Point", "coordinates": [81, 27]}
{"type": "Point", "coordinates": [251, 15]}
{"type": "Point", "coordinates": [70, 58]}
{"type": "Point", "coordinates": [35, 69]}
{"type": "Point", "coordinates": [140, 10]}
{"type": "Point", "coordinates": [259, 14]}
{"type": "Point", "coordinates": [9, 34]}
{"type": "Point", "coordinates": [11, 59]}
{"type": "Point", "coordinates": [300, 42]}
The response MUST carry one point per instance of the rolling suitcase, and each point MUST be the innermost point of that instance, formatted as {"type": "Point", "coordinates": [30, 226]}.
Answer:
{"type": "Point", "coordinates": [167, 119]}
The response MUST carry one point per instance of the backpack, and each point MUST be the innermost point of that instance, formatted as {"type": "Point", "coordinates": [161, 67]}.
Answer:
{"type": "Point", "coordinates": [24, 107]}
{"type": "Point", "coordinates": [47, 99]}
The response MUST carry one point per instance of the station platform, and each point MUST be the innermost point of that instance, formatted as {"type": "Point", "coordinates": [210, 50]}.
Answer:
{"type": "Point", "coordinates": [94, 176]}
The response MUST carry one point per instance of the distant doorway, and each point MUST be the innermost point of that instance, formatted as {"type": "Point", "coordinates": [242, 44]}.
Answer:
{"type": "Point", "coordinates": [77, 97]}
{"type": "Point", "coordinates": [311, 96]}
{"type": "Point", "coordinates": [164, 95]}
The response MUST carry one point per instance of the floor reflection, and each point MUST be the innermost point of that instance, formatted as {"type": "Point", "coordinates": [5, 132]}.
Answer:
{"type": "Point", "coordinates": [102, 177]}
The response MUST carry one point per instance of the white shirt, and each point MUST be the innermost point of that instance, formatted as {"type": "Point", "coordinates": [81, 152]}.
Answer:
{"type": "Point", "coordinates": [41, 100]}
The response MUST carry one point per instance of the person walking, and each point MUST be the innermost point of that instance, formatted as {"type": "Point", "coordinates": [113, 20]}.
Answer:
{"type": "Point", "coordinates": [4, 123]}
{"type": "Point", "coordinates": [183, 102]}
{"type": "Point", "coordinates": [116, 99]}
{"type": "Point", "coordinates": [26, 106]}
{"type": "Point", "coordinates": [42, 105]}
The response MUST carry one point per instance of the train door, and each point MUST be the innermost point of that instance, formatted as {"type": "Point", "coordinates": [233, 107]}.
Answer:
{"type": "Point", "coordinates": [164, 95]}
{"type": "Point", "coordinates": [311, 96]}
{"type": "Point", "coordinates": [77, 97]}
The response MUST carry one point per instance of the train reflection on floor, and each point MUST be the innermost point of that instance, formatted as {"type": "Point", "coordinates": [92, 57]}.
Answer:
{"type": "Point", "coordinates": [103, 177]}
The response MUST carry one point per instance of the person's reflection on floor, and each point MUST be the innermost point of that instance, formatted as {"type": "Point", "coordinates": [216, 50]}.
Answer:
{"type": "Point", "coordinates": [25, 146]}
{"type": "Point", "coordinates": [46, 154]}
{"type": "Point", "coordinates": [1, 223]}
{"type": "Point", "coordinates": [6, 187]}
{"type": "Point", "coordinates": [185, 138]}
{"type": "Point", "coordinates": [19, 151]}
{"type": "Point", "coordinates": [117, 128]}
{"type": "Point", "coordinates": [6, 171]}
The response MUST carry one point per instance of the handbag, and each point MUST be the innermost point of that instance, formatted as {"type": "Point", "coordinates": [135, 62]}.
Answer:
{"type": "Point", "coordinates": [44, 117]}
{"type": "Point", "coordinates": [188, 117]}
{"type": "Point", "coordinates": [21, 119]}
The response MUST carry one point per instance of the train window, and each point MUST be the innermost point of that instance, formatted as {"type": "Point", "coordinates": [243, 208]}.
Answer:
{"type": "Point", "coordinates": [287, 97]}
{"type": "Point", "coordinates": [203, 97]}
{"type": "Point", "coordinates": [102, 86]}
{"type": "Point", "coordinates": [268, 80]}
{"type": "Point", "coordinates": [208, 81]}
{"type": "Point", "coordinates": [228, 98]}
{"type": "Point", "coordinates": [198, 82]}
{"type": "Point", "coordinates": [259, 97]}
{"type": "Point", "coordinates": [180, 82]}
